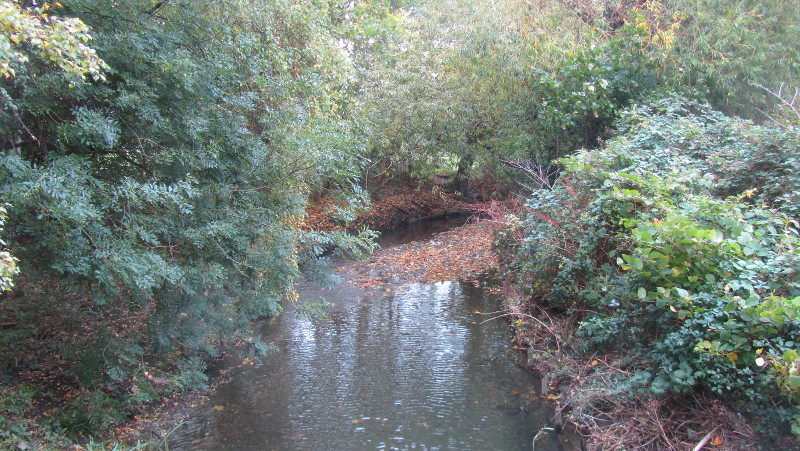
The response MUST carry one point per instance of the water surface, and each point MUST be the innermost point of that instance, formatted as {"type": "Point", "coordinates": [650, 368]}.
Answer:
{"type": "Point", "coordinates": [394, 366]}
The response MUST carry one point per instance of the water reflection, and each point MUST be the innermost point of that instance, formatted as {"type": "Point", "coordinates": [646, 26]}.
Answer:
{"type": "Point", "coordinates": [421, 230]}
{"type": "Point", "coordinates": [411, 368]}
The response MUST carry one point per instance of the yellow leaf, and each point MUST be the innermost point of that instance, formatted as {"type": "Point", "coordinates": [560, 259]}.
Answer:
{"type": "Point", "coordinates": [717, 441]}
{"type": "Point", "coordinates": [219, 408]}
{"type": "Point", "coordinates": [733, 357]}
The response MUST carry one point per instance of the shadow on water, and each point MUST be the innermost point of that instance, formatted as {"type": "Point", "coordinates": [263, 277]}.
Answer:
{"type": "Point", "coordinates": [396, 367]}
{"type": "Point", "coordinates": [421, 230]}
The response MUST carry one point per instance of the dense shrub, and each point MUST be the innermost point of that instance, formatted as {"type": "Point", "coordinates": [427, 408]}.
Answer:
{"type": "Point", "coordinates": [155, 211]}
{"type": "Point", "coordinates": [8, 263]}
{"type": "Point", "coordinates": [676, 243]}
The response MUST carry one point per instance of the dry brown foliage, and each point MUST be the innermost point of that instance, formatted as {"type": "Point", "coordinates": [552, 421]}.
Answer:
{"type": "Point", "coordinates": [458, 254]}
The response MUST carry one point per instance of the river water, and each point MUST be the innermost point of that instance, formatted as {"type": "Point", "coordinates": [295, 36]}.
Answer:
{"type": "Point", "coordinates": [393, 366]}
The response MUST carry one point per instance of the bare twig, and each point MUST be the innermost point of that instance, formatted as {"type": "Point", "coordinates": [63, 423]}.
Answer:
{"type": "Point", "coordinates": [539, 174]}
{"type": "Point", "coordinates": [705, 440]}
{"type": "Point", "coordinates": [788, 101]}
{"type": "Point", "coordinates": [524, 315]}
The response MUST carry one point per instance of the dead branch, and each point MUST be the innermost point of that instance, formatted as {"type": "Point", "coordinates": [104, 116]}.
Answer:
{"type": "Point", "coordinates": [788, 102]}
{"type": "Point", "coordinates": [539, 174]}
{"type": "Point", "coordinates": [705, 440]}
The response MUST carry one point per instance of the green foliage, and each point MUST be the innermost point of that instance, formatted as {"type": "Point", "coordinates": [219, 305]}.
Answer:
{"type": "Point", "coordinates": [8, 263]}
{"type": "Point", "coordinates": [573, 104]}
{"type": "Point", "coordinates": [156, 213]}
{"type": "Point", "coordinates": [479, 83]}
{"type": "Point", "coordinates": [32, 32]}
{"type": "Point", "coordinates": [533, 81]}
{"type": "Point", "coordinates": [729, 48]}
{"type": "Point", "coordinates": [17, 400]}
{"type": "Point", "coordinates": [742, 157]}
{"type": "Point", "coordinates": [90, 412]}
{"type": "Point", "coordinates": [641, 241]}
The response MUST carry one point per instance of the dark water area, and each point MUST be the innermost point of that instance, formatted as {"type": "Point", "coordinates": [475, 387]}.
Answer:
{"type": "Point", "coordinates": [421, 230]}
{"type": "Point", "coordinates": [398, 366]}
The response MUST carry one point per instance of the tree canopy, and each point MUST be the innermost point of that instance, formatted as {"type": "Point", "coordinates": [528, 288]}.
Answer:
{"type": "Point", "coordinates": [157, 158]}
{"type": "Point", "coordinates": [160, 201]}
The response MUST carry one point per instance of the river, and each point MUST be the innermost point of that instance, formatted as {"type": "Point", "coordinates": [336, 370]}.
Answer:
{"type": "Point", "coordinates": [393, 366]}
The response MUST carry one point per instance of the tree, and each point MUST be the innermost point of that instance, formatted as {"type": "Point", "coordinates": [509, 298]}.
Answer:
{"type": "Point", "coordinates": [470, 84]}
{"type": "Point", "coordinates": [480, 83]}
{"type": "Point", "coordinates": [163, 205]}
{"type": "Point", "coordinates": [60, 40]}
{"type": "Point", "coordinates": [727, 49]}
{"type": "Point", "coordinates": [26, 32]}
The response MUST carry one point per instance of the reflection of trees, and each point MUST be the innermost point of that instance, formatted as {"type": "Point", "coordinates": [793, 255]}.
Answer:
{"type": "Point", "coordinates": [416, 358]}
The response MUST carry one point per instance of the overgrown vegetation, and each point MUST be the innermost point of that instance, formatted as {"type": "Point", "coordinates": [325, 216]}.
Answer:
{"type": "Point", "coordinates": [471, 85]}
{"type": "Point", "coordinates": [155, 210]}
{"type": "Point", "coordinates": [158, 158]}
{"type": "Point", "coordinates": [660, 247]}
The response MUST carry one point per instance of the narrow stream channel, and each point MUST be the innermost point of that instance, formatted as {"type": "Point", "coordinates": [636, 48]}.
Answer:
{"type": "Point", "coordinates": [396, 366]}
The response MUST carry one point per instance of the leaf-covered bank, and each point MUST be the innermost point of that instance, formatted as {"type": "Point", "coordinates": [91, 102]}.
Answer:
{"type": "Point", "coordinates": [394, 204]}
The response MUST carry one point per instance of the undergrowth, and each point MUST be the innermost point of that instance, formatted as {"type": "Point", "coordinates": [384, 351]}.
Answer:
{"type": "Point", "coordinates": [666, 267]}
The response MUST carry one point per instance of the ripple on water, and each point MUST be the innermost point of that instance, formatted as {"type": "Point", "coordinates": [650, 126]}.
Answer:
{"type": "Point", "coordinates": [412, 369]}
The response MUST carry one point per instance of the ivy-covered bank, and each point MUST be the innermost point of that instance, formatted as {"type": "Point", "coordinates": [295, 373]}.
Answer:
{"type": "Point", "coordinates": [669, 264]}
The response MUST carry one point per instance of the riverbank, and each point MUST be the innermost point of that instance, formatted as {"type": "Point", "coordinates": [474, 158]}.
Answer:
{"type": "Point", "coordinates": [596, 389]}
{"type": "Point", "coordinates": [589, 392]}
{"type": "Point", "coordinates": [395, 205]}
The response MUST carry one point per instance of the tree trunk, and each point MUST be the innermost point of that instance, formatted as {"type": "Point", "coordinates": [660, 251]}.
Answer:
{"type": "Point", "coordinates": [460, 183]}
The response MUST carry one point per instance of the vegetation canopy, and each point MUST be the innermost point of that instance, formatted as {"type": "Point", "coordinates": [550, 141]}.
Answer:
{"type": "Point", "coordinates": [163, 165]}
{"type": "Point", "coordinates": [154, 211]}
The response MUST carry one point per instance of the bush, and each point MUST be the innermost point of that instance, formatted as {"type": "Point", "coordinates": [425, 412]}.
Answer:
{"type": "Point", "coordinates": [8, 263]}
{"type": "Point", "coordinates": [156, 210]}
{"type": "Point", "coordinates": [664, 251]}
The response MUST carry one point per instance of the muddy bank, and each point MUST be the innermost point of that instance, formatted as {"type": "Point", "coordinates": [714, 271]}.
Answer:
{"type": "Point", "coordinates": [462, 253]}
